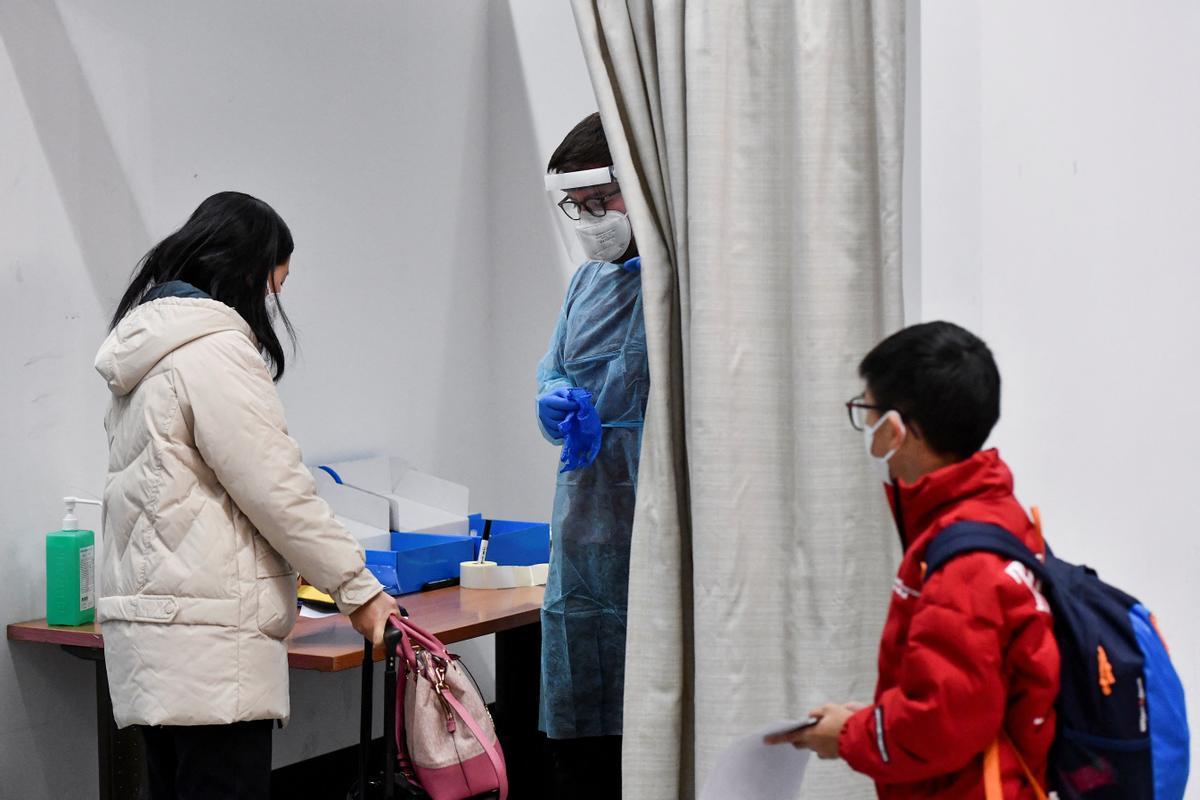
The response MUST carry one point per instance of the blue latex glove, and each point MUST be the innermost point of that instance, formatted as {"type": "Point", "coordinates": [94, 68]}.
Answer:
{"type": "Point", "coordinates": [553, 408]}
{"type": "Point", "coordinates": [633, 265]}
{"type": "Point", "coordinates": [581, 432]}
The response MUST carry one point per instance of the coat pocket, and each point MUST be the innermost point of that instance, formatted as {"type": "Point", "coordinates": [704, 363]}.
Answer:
{"type": "Point", "coordinates": [275, 590]}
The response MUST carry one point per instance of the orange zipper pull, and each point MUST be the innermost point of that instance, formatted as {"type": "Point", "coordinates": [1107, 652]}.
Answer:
{"type": "Point", "coordinates": [1036, 513]}
{"type": "Point", "coordinates": [1107, 679]}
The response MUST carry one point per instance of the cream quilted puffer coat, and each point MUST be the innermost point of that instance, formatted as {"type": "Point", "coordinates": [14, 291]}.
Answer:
{"type": "Point", "coordinates": [207, 507]}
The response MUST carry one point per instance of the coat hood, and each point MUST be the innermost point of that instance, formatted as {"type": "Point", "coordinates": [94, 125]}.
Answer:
{"type": "Point", "coordinates": [154, 330]}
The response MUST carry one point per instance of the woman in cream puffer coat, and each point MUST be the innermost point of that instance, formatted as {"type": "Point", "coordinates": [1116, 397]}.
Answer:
{"type": "Point", "coordinates": [208, 507]}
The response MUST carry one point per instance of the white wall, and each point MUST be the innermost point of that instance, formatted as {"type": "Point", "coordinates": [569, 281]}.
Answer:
{"type": "Point", "coordinates": [539, 89]}
{"type": "Point", "coordinates": [50, 436]}
{"type": "Point", "coordinates": [556, 81]}
{"type": "Point", "coordinates": [1058, 176]}
{"type": "Point", "coordinates": [943, 96]}
{"type": "Point", "coordinates": [401, 144]}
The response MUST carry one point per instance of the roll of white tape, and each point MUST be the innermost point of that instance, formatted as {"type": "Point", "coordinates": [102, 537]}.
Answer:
{"type": "Point", "coordinates": [489, 575]}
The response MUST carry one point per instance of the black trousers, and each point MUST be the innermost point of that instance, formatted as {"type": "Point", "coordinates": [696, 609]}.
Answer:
{"type": "Point", "coordinates": [210, 762]}
{"type": "Point", "coordinates": [585, 769]}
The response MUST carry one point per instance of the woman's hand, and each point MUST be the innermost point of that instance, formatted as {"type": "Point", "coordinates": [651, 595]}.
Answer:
{"type": "Point", "coordinates": [370, 619]}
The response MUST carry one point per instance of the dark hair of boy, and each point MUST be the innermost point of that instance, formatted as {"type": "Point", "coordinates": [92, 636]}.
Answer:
{"type": "Point", "coordinates": [940, 378]}
{"type": "Point", "coordinates": [584, 147]}
{"type": "Point", "coordinates": [227, 249]}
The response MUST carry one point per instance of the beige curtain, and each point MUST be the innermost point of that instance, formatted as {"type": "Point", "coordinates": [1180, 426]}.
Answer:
{"type": "Point", "coordinates": [758, 144]}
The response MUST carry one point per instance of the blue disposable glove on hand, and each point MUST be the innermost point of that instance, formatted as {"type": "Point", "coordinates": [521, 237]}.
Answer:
{"type": "Point", "coordinates": [581, 432]}
{"type": "Point", "coordinates": [553, 408]}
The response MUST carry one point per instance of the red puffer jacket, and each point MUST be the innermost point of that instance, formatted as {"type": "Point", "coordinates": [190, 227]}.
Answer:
{"type": "Point", "coordinates": [965, 655]}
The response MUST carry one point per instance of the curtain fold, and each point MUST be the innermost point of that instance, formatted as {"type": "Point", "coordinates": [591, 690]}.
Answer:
{"type": "Point", "coordinates": [758, 145]}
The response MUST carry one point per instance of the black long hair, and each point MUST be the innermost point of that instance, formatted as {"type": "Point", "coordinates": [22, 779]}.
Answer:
{"type": "Point", "coordinates": [227, 249]}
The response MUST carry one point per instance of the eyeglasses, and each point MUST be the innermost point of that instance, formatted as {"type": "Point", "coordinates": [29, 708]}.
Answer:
{"type": "Point", "coordinates": [596, 205]}
{"type": "Point", "coordinates": [857, 407]}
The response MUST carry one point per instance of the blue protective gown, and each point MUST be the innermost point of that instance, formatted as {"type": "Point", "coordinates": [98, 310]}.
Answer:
{"type": "Point", "coordinates": [599, 344]}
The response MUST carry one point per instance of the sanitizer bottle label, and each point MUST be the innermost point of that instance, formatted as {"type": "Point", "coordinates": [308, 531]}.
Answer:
{"type": "Point", "coordinates": [87, 564]}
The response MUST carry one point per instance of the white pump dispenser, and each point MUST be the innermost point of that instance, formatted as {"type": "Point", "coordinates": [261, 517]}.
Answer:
{"type": "Point", "coordinates": [70, 521]}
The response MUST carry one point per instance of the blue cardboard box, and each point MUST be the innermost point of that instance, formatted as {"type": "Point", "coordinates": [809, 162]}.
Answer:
{"type": "Point", "coordinates": [416, 559]}
{"type": "Point", "coordinates": [513, 543]}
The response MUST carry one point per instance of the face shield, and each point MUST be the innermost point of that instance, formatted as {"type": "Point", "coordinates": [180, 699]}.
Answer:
{"type": "Point", "coordinates": [587, 225]}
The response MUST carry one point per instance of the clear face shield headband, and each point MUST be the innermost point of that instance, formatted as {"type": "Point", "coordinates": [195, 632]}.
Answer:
{"type": "Point", "coordinates": [587, 226]}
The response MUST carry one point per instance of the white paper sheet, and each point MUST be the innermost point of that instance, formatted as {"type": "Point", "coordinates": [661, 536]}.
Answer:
{"type": "Point", "coordinates": [749, 770]}
{"type": "Point", "coordinates": [305, 611]}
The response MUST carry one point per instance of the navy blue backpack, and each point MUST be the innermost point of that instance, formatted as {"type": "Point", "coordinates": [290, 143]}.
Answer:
{"type": "Point", "coordinates": [1122, 727]}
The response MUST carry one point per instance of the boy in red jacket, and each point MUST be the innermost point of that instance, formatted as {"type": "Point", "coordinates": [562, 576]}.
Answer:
{"type": "Point", "coordinates": [968, 665]}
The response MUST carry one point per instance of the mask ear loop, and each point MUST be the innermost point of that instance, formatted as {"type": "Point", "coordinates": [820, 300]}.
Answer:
{"type": "Point", "coordinates": [897, 510]}
{"type": "Point", "coordinates": [903, 433]}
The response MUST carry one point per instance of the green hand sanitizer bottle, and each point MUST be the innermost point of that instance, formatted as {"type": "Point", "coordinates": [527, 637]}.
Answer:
{"type": "Point", "coordinates": [71, 570]}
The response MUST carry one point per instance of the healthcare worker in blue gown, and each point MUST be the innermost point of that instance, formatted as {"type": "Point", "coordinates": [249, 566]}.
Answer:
{"type": "Point", "coordinates": [599, 345]}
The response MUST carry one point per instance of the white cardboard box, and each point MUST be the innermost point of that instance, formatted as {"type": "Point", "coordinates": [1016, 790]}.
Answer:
{"type": "Point", "coordinates": [384, 494]}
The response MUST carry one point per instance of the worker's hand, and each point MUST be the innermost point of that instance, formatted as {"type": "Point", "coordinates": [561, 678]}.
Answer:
{"type": "Point", "coordinates": [821, 738]}
{"type": "Point", "coordinates": [370, 619]}
{"type": "Point", "coordinates": [553, 408]}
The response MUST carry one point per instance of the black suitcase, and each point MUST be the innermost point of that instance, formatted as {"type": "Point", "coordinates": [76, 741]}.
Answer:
{"type": "Point", "coordinates": [390, 783]}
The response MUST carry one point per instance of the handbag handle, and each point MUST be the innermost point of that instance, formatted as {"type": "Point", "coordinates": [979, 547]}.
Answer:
{"type": "Point", "coordinates": [401, 643]}
{"type": "Point", "coordinates": [488, 747]}
{"type": "Point", "coordinates": [422, 637]}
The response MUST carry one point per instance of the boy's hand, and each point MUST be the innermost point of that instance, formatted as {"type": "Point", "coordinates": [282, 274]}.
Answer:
{"type": "Point", "coordinates": [821, 738]}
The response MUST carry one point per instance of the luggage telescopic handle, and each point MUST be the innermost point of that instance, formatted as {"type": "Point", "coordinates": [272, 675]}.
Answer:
{"type": "Point", "coordinates": [391, 639]}
{"type": "Point", "coordinates": [364, 725]}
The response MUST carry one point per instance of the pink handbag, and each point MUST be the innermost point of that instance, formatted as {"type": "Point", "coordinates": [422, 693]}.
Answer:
{"type": "Point", "coordinates": [444, 733]}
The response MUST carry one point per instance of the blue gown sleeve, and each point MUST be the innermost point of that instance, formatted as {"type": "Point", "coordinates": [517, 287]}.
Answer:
{"type": "Point", "coordinates": [551, 374]}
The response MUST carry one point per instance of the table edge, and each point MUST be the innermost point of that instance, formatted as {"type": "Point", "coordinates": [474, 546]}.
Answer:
{"type": "Point", "coordinates": [19, 632]}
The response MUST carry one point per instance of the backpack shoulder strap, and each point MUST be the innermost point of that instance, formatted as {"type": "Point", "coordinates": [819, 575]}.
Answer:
{"type": "Point", "coordinates": [975, 537]}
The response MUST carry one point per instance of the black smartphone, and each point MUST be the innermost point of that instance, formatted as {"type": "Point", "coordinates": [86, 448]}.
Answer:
{"type": "Point", "coordinates": [808, 723]}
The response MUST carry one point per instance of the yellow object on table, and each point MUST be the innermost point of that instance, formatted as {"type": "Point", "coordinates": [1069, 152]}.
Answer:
{"type": "Point", "coordinates": [315, 599]}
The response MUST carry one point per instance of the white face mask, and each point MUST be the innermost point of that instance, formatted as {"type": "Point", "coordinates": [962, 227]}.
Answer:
{"type": "Point", "coordinates": [272, 306]}
{"type": "Point", "coordinates": [880, 463]}
{"type": "Point", "coordinates": [604, 238]}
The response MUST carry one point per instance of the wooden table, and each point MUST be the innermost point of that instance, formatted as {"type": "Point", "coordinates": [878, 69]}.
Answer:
{"type": "Point", "coordinates": [330, 644]}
